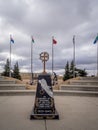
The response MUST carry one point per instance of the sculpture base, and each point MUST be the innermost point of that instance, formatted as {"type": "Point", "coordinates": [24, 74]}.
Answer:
{"type": "Point", "coordinates": [34, 116]}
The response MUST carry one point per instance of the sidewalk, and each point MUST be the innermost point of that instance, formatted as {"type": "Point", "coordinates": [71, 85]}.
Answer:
{"type": "Point", "coordinates": [76, 113]}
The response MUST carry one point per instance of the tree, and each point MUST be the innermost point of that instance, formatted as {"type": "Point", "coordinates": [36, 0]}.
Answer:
{"type": "Point", "coordinates": [67, 72]}
{"type": "Point", "coordinates": [81, 72]}
{"type": "Point", "coordinates": [16, 73]}
{"type": "Point", "coordinates": [71, 69]}
{"type": "Point", "coordinates": [6, 68]}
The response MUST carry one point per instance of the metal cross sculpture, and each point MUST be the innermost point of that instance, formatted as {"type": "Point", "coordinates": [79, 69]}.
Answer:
{"type": "Point", "coordinates": [44, 56]}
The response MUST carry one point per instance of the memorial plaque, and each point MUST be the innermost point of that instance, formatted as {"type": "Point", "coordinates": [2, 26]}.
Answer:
{"type": "Point", "coordinates": [44, 103]}
{"type": "Point", "coordinates": [44, 106]}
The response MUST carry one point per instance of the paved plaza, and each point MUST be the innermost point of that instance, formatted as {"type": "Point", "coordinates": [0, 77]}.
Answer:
{"type": "Point", "coordinates": [76, 113]}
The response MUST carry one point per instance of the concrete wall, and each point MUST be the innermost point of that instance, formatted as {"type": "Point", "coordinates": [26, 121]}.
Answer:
{"type": "Point", "coordinates": [28, 75]}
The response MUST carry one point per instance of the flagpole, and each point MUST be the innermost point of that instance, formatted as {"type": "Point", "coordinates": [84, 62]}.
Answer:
{"type": "Point", "coordinates": [31, 62]}
{"type": "Point", "coordinates": [97, 58]}
{"type": "Point", "coordinates": [52, 56]}
{"type": "Point", "coordinates": [10, 58]}
{"type": "Point", "coordinates": [74, 56]}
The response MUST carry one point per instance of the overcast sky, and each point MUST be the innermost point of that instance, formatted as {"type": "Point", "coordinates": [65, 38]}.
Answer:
{"type": "Point", "coordinates": [44, 19]}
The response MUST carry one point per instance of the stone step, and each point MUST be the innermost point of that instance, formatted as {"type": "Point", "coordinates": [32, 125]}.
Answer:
{"type": "Point", "coordinates": [7, 81]}
{"type": "Point", "coordinates": [79, 87]}
{"type": "Point", "coordinates": [56, 93]}
{"type": "Point", "coordinates": [84, 82]}
{"type": "Point", "coordinates": [89, 78]}
{"type": "Point", "coordinates": [1, 78]}
{"type": "Point", "coordinates": [12, 86]}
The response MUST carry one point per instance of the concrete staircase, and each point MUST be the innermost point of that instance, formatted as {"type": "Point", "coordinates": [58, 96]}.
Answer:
{"type": "Point", "coordinates": [88, 85]}
{"type": "Point", "coordinates": [10, 84]}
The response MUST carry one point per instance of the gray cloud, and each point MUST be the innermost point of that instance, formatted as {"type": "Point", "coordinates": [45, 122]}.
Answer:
{"type": "Point", "coordinates": [44, 19]}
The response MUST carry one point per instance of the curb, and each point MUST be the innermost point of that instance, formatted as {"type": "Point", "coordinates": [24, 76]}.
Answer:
{"type": "Point", "coordinates": [56, 93]}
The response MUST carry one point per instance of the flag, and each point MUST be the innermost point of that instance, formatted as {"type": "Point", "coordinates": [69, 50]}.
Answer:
{"type": "Point", "coordinates": [54, 41]}
{"type": "Point", "coordinates": [96, 39]}
{"type": "Point", "coordinates": [32, 39]}
{"type": "Point", "coordinates": [11, 39]}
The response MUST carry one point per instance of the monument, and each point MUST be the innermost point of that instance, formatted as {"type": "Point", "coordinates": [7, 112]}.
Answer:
{"type": "Point", "coordinates": [44, 106]}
